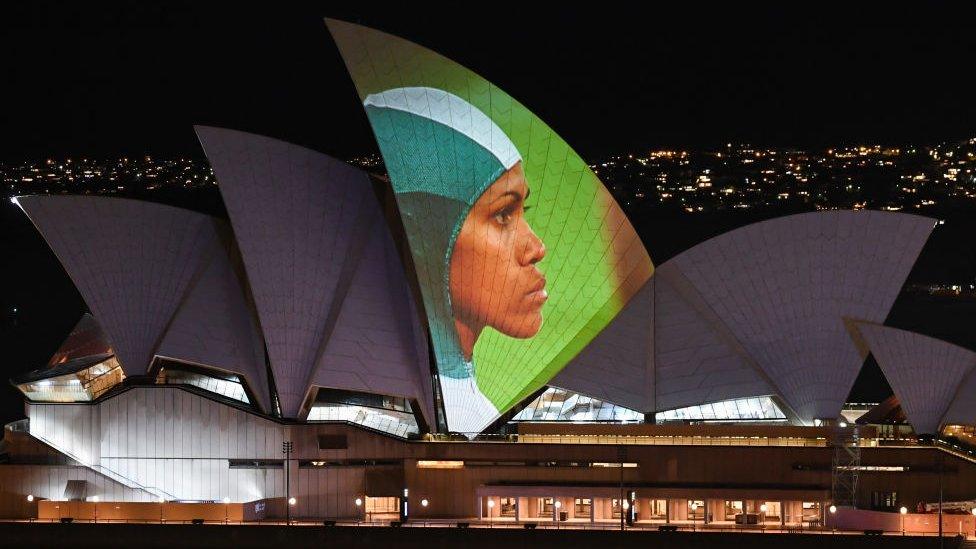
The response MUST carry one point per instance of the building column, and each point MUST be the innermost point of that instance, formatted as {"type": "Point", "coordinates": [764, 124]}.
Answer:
{"type": "Point", "coordinates": [782, 515]}
{"type": "Point", "coordinates": [518, 508]}
{"type": "Point", "coordinates": [592, 509]}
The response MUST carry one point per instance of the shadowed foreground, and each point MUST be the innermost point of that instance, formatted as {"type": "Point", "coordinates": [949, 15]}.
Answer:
{"type": "Point", "coordinates": [153, 535]}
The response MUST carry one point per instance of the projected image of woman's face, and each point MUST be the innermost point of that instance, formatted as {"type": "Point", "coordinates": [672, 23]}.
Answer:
{"type": "Point", "coordinates": [494, 280]}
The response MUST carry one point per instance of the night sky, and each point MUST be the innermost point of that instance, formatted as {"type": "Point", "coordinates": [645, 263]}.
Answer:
{"type": "Point", "coordinates": [80, 80]}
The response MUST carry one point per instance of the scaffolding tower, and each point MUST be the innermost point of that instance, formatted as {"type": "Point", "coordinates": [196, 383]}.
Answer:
{"type": "Point", "coordinates": [845, 466]}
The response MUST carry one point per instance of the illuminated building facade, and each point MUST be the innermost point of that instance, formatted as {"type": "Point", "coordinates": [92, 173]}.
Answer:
{"type": "Point", "coordinates": [484, 326]}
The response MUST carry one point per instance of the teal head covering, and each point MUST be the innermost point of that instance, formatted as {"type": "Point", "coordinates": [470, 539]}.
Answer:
{"type": "Point", "coordinates": [442, 153]}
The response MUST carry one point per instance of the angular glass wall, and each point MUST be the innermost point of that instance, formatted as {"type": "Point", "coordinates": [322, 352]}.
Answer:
{"type": "Point", "coordinates": [556, 404]}
{"type": "Point", "coordinates": [392, 415]}
{"type": "Point", "coordinates": [79, 380]}
{"type": "Point", "coordinates": [762, 408]}
{"type": "Point", "coordinates": [220, 383]}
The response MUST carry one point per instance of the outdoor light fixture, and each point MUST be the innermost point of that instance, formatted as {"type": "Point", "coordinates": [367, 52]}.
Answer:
{"type": "Point", "coordinates": [30, 498]}
{"type": "Point", "coordinates": [763, 508]}
{"type": "Point", "coordinates": [424, 502]}
{"type": "Point", "coordinates": [292, 501]}
{"type": "Point", "coordinates": [359, 502]}
{"type": "Point", "coordinates": [904, 510]}
{"type": "Point", "coordinates": [626, 505]}
{"type": "Point", "coordinates": [226, 500]}
{"type": "Point", "coordinates": [832, 509]}
{"type": "Point", "coordinates": [94, 499]}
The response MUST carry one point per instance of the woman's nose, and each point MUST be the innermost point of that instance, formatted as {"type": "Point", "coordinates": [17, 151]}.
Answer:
{"type": "Point", "coordinates": [533, 248]}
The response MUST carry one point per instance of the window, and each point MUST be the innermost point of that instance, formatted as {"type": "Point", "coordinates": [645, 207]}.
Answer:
{"type": "Point", "coordinates": [545, 507]}
{"type": "Point", "coordinates": [732, 508]}
{"type": "Point", "coordinates": [80, 380]}
{"type": "Point", "coordinates": [761, 408]}
{"type": "Point", "coordinates": [391, 415]}
{"type": "Point", "coordinates": [659, 508]}
{"type": "Point", "coordinates": [615, 510]}
{"type": "Point", "coordinates": [583, 507]}
{"type": "Point", "coordinates": [884, 500]}
{"type": "Point", "coordinates": [556, 404]}
{"type": "Point", "coordinates": [506, 507]}
{"type": "Point", "coordinates": [219, 383]}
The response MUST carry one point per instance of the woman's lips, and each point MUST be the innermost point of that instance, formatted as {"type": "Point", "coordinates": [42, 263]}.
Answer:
{"type": "Point", "coordinates": [537, 293]}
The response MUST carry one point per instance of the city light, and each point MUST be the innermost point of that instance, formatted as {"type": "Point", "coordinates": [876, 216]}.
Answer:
{"type": "Point", "coordinates": [359, 502]}
{"type": "Point", "coordinates": [30, 497]}
{"type": "Point", "coordinates": [292, 501]}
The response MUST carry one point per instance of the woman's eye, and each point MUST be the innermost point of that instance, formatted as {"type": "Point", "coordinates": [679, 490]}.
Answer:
{"type": "Point", "coordinates": [504, 217]}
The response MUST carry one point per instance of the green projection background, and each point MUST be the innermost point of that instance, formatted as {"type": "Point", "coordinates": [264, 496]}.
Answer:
{"type": "Point", "coordinates": [447, 137]}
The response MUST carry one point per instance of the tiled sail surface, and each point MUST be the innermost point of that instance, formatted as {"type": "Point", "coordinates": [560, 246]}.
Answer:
{"type": "Point", "coordinates": [85, 339]}
{"type": "Point", "coordinates": [594, 263]}
{"type": "Point", "coordinates": [373, 346]}
{"type": "Point", "coordinates": [132, 262]}
{"type": "Point", "coordinates": [295, 215]}
{"type": "Point", "coordinates": [925, 373]}
{"type": "Point", "coordinates": [696, 358]}
{"type": "Point", "coordinates": [962, 409]}
{"type": "Point", "coordinates": [215, 327]}
{"type": "Point", "coordinates": [616, 366]}
{"type": "Point", "coordinates": [783, 288]}
{"type": "Point", "coordinates": [664, 350]}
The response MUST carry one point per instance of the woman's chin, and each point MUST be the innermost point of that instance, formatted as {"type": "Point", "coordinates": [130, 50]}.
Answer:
{"type": "Point", "coordinates": [524, 330]}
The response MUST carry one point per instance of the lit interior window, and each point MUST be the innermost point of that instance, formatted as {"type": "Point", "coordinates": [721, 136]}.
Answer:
{"type": "Point", "coordinates": [392, 415]}
{"type": "Point", "coordinates": [78, 380]}
{"type": "Point", "coordinates": [761, 408]}
{"type": "Point", "coordinates": [556, 404]}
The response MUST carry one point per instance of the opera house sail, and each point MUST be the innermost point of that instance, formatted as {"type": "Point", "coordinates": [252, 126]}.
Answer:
{"type": "Point", "coordinates": [521, 253]}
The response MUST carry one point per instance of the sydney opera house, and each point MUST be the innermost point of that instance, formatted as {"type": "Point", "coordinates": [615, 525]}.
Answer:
{"type": "Point", "coordinates": [481, 334]}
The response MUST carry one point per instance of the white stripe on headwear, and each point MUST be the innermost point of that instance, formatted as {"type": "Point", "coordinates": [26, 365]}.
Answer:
{"type": "Point", "coordinates": [452, 111]}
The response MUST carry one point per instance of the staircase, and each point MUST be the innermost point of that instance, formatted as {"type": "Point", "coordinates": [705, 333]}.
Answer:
{"type": "Point", "coordinates": [156, 493]}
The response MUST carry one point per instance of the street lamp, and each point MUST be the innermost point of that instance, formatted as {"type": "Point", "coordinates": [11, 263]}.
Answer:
{"type": "Point", "coordinates": [226, 501]}
{"type": "Point", "coordinates": [95, 501]}
{"type": "Point", "coordinates": [359, 504]}
{"type": "Point", "coordinates": [762, 512]}
{"type": "Point", "coordinates": [30, 498]}
{"type": "Point", "coordinates": [491, 505]}
{"type": "Point", "coordinates": [292, 501]}
{"type": "Point", "coordinates": [556, 505]}
{"type": "Point", "coordinates": [903, 511]}
{"type": "Point", "coordinates": [162, 500]}
{"type": "Point", "coordinates": [287, 447]}
{"type": "Point", "coordinates": [694, 512]}
{"type": "Point", "coordinates": [424, 502]}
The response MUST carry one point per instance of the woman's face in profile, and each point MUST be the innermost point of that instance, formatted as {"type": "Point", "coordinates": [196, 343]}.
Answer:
{"type": "Point", "coordinates": [494, 280]}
